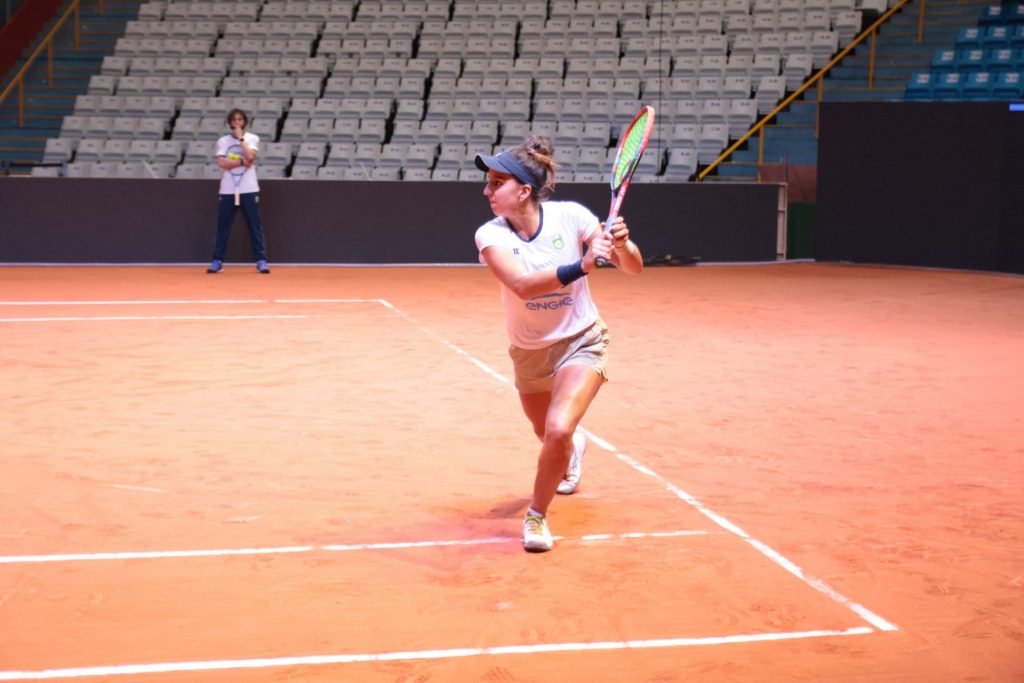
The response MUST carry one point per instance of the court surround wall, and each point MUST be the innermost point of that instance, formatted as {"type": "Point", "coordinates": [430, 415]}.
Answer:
{"type": "Point", "coordinates": [936, 184]}
{"type": "Point", "coordinates": [99, 220]}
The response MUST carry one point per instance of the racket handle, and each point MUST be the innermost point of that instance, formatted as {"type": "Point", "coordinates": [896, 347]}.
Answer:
{"type": "Point", "coordinates": [237, 198]}
{"type": "Point", "coordinates": [607, 230]}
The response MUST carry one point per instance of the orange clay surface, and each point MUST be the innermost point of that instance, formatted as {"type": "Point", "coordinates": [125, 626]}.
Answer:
{"type": "Point", "coordinates": [798, 472]}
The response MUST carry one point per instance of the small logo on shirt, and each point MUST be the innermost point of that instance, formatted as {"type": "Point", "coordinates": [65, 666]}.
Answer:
{"type": "Point", "coordinates": [557, 242]}
{"type": "Point", "coordinates": [515, 250]}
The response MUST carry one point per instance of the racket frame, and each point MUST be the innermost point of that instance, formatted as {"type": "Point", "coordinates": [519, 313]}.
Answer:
{"type": "Point", "coordinates": [619, 192]}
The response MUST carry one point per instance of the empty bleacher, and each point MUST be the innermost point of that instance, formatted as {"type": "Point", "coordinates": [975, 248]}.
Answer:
{"type": "Point", "coordinates": [985, 63]}
{"type": "Point", "coordinates": [413, 89]}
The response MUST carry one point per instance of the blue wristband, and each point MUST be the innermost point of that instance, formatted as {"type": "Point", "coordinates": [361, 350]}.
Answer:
{"type": "Point", "coordinates": [570, 273]}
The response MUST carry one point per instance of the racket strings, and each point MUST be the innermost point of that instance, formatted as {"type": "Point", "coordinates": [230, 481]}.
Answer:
{"type": "Point", "coordinates": [631, 149]}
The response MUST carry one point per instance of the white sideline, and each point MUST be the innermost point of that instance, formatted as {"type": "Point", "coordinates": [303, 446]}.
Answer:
{"type": "Point", "coordinates": [284, 550]}
{"type": "Point", "coordinates": [414, 655]}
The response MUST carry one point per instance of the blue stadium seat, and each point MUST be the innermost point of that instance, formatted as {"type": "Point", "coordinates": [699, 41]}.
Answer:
{"type": "Point", "coordinates": [919, 87]}
{"type": "Point", "coordinates": [944, 61]}
{"type": "Point", "coordinates": [1002, 59]}
{"type": "Point", "coordinates": [979, 86]}
{"type": "Point", "coordinates": [1009, 86]}
{"type": "Point", "coordinates": [1014, 13]}
{"type": "Point", "coordinates": [950, 86]}
{"type": "Point", "coordinates": [997, 36]}
{"type": "Point", "coordinates": [969, 38]}
{"type": "Point", "coordinates": [971, 60]}
{"type": "Point", "coordinates": [990, 14]}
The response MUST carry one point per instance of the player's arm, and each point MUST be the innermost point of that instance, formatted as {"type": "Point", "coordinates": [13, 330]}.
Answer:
{"type": "Point", "coordinates": [248, 153]}
{"type": "Point", "coordinates": [224, 163]}
{"type": "Point", "coordinates": [626, 255]}
{"type": "Point", "coordinates": [227, 164]}
{"type": "Point", "coordinates": [510, 272]}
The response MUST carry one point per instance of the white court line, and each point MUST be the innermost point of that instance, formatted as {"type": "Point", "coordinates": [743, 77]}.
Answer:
{"type": "Point", "coordinates": [134, 302]}
{"type": "Point", "coordinates": [395, 545]}
{"type": "Point", "coordinates": [108, 318]}
{"type": "Point", "coordinates": [130, 487]}
{"type": "Point", "coordinates": [415, 655]}
{"type": "Point", "coordinates": [175, 302]}
{"type": "Point", "coordinates": [180, 302]}
{"type": "Point", "coordinates": [332, 301]}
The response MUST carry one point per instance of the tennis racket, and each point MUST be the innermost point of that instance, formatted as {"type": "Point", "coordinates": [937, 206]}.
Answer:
{"type": "Point", "coordinates": [235, 152]}
{"type": "Point", "coordinates": [632, 144]}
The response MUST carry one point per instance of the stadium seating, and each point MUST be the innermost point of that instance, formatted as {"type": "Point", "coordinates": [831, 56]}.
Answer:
{"type": "Point", "coordinates": [393, 89]}
{"type": "Point", "coordinates": [984, 63]}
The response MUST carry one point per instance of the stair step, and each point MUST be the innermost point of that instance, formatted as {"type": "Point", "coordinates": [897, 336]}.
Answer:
{"type": "Point", "coordinates": [9, 127]}
{"type": "Point", "coordinates": [51, 117]}
{"type": "Point", "coordinates": [42, 75]}
{"type": "Point", "coordinates": [78, 81]}
{"type": "Point", "coordinates": [48, 125]}
{"type": "Point", "coordinates": [896, 61]}
{"type": "Point", "coordinates": [745, 156]}
{"type": "Point", "coordinates": [795, 134]}
{"type": "Point", "coordinates": [10, 131]}
{"type": "Point", "coordinates": [727, 179]}
{"type": "Point", "coordinates": [48, 97]}
{"type": "Point", "coordinates": [937, 21]}
{"type": "Point", "coordinates": [880, 72]}
{"type": "Point", "coordinates": [902, 50]}
{"type": "Point", "coordinates": [877, 94]}
{"type": "Point", "coordinates": [802, 120]}
{"type": "Point", "coordinates": [861, 83]}
{"type": "Point", "coordinates": [734, 173]}
{"type": "Point", "coordinates": [9, 150]}
{"type": "Point", "coordinates": [800, 113]}
{"type": "Point", "coordinates": [60, 89]}
{"type": "Point", "coordinates": [21, 144]}
{"type": "Point", "coordinates": [21, 158]}
{"type": "Point", "coordinates": [776, 149]}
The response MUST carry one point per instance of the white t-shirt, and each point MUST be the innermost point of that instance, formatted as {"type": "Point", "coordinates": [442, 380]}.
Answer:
{"type": "Point", "coordinates": [543, 320]}
{"type": "Point", "coordinates": [249, 182]}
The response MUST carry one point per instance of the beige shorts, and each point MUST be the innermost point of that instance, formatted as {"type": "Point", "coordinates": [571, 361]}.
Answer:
{"type": "Point", "coordinates": [535, 368]}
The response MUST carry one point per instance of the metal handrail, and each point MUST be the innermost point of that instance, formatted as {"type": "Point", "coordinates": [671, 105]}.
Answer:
{"type": "Point", "coordinates": [818, 79]}
{"type": "Point", "coordinates": [18, 82]}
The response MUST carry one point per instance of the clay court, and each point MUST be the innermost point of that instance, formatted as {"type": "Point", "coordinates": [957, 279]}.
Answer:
{"type": "Point", "coordinates": [798, 472]}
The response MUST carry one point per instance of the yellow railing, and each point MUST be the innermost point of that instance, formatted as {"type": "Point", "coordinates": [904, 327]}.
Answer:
{"type": "Point", "coordinates": [18, 82]}
{"type": "Point", "coordinates": [819, 80]}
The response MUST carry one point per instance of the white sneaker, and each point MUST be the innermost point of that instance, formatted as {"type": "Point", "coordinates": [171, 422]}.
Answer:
{"type": "Point", "coordinates": [572, 475]}
{"type": "Point", "coordinates": [536, 536]}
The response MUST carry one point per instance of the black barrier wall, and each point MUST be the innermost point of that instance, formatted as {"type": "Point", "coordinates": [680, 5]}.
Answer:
{"type": "Point", "coordinates": [922, 184]}
{"type": "Point", "coordinates": [93, 220]}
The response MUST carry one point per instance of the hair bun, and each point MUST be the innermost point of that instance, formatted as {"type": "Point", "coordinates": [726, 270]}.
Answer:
{"type": "Point", "coordinates": [536, 154]}
{"type": "Point", "coordinates": [541, 144]}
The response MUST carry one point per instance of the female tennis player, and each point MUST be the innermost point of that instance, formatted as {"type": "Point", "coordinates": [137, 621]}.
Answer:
{"type": "Point", "coordinates": [239, 188]}
{"type": "Point", "coordinates": [534, 247]}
